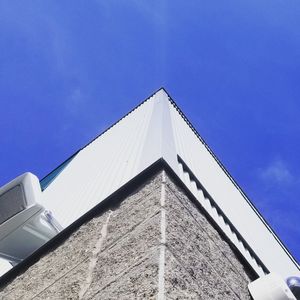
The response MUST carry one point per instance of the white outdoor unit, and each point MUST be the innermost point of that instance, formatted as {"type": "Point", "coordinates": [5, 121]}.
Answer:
{"type": "Point", "coordinates": [25, 225]}
{"type": "Point", "coordinates": [273, 287]}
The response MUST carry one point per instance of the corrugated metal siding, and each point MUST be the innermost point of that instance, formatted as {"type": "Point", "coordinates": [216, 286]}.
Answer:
{"type": "Point", "coordinates": [228, 197]}
{"type": "Point", "coordinates": [101, 167]}
{"type": "Point", "coordinates": [157, 130]}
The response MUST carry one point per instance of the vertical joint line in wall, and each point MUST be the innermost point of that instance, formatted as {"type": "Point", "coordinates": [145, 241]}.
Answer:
{"type": "Point", "coordinates": [162, 247]}
{"type": "Point", "coordinates": [93, 259]}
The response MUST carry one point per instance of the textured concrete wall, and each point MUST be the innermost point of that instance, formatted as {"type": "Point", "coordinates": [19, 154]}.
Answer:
{"type": "Point", "coordinates": [199, 263]}
{"type": "Point", "coordinates": [154, 245]}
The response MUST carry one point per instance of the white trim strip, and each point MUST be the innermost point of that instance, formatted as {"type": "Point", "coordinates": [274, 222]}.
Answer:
{"type": "Point", "coordinates": [93, 259]}
{"type": "Point", "coordinates": [162, 248]}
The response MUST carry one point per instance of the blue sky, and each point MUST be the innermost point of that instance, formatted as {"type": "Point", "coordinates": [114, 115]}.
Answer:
{"type": "Point", "coordinates": [69, 69]}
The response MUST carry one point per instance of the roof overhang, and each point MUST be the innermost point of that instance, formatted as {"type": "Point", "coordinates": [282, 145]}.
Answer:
{"type": "Point", "coordinates": [158, 130]}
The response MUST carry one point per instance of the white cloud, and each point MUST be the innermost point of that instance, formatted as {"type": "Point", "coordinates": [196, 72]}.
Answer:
{"type": "Point", "coordinates": [75, 102]}
{"type": "Point", "coordinates": [276, 172]}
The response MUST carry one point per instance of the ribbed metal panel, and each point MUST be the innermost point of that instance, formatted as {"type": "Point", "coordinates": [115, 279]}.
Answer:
{"type": "Point", "coordinates": [102, 167]}
{"type": "Point", "coordinates": [231, 201]}
{"type": "Point", "coordinates": [157, 129]}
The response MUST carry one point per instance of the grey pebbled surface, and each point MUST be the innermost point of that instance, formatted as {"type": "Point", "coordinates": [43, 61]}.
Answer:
{"type": "Point", "coordinates": [112, 264]}
{"type": "Point", "coordinates": [56, 264]}
{"type": "Point", "coordinates": [179, 283]}
{"type": "Point", "coordinates": [210, 232]}
{"type": "Point", "coordinates": [116, 255]}
{"type": "Point", "coordinates": [132, 212]}
{"type": "Point", "coordinates": [140, 282]}
{"type": "Point", "coordinates": [125, 254]}
{"type": "Point", "coordinates": [63, 270]}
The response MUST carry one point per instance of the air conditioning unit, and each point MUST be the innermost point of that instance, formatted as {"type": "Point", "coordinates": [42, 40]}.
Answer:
{"type": "Point", "coordinates": [273, 287]}
{"type": "Point", "coordinates": [25, 225]}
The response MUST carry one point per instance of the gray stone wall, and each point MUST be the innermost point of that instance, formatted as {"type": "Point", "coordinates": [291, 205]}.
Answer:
{"type": "Point", "coordinates": [155, 245]}
{"type": "Point", "coordinates": [199, 263]}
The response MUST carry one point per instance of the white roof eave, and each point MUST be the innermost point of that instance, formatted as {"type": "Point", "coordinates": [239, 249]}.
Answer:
{"type": "Point", "coordinates": [157, 129]}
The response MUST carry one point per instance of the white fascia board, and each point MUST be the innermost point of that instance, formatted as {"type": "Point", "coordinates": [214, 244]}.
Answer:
{"type": "Point", "coordinates": [152, 131]}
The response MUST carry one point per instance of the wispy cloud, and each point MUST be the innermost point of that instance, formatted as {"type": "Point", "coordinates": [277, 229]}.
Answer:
{"type": "Point", "coordinates": [277, 172]}
{"type": "Point", "coordinates": [75, 101]}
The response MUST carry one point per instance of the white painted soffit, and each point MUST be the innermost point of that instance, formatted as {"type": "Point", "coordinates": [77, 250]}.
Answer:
{"type": "Point", "coordinates": [157, 129]}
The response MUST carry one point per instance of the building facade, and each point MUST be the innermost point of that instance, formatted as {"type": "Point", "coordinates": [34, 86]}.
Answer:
{"type": "Point", "coordinates": [148, 212]}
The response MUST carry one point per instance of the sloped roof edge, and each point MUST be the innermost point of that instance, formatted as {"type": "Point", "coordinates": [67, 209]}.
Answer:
{"type": "Point", "coordinates": [112, 200]}
{"type": "Point", "coordinates": [251, 204]}
{"type": "Point", "coordinates": [238, 188]}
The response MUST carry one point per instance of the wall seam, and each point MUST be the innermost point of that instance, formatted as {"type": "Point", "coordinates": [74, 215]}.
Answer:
{"type": "Point", "coordinates": [162, 247]}
{"type": "Point", "coordinates": [93, 260]}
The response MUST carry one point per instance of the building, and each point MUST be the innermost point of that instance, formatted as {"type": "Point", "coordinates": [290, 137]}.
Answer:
{"type": "Point", "coordinates": [148, 211]}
